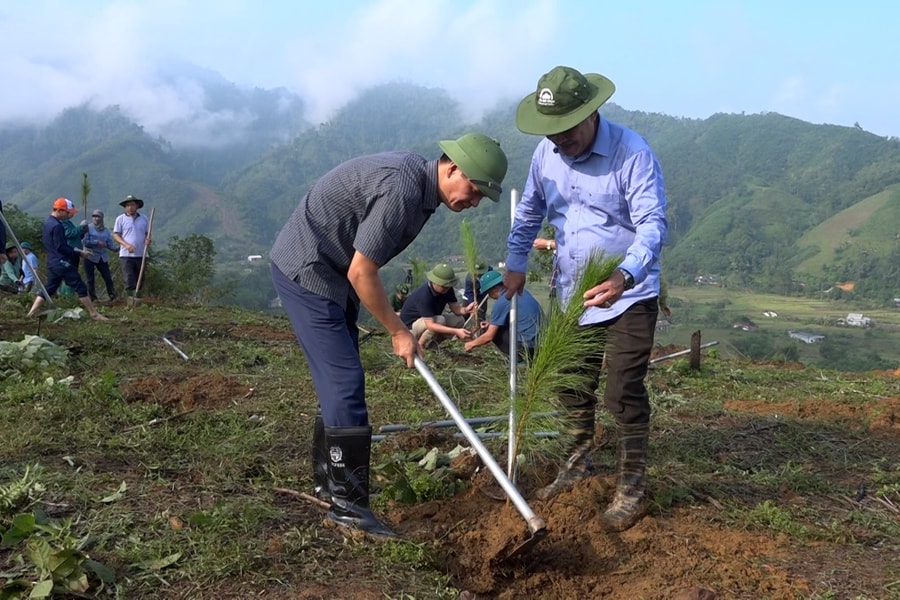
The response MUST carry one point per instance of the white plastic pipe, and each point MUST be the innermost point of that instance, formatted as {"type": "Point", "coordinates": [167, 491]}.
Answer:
{"type": "Point", "coordinates": [534, 522]}
{"type": "Point", "coordinates": [512, 448]}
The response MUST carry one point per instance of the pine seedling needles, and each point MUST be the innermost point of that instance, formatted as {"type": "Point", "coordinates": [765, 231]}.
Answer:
{"type": "Point", "coordinates": [561, 347]}
{"type": "Point", "coordinates": [470, 254]}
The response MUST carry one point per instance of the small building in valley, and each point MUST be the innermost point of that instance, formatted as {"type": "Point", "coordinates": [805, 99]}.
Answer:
{"type": "Point", "coordinates": [856, 320]}
{"type": "Point", "coordinates": [806, 337]}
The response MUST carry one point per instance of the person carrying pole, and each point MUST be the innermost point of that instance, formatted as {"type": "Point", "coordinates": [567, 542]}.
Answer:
{"type": "Point", "coordinates": [132, 232]}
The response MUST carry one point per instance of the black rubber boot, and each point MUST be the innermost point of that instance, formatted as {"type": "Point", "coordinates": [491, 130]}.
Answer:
{"type": "Point", "coordinates": [349, 449]}
{"type": "Point", "coordinates": [630, 502]}
{"type": "Point", "coordinates": [319, 454]}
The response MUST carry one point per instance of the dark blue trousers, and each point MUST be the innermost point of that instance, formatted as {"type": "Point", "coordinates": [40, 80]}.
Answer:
{"type": "Point", "coordinates": [329, 338]}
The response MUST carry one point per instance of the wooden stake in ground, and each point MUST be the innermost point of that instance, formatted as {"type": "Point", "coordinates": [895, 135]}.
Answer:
{"type": "Point", "coordinates": [137, 288]}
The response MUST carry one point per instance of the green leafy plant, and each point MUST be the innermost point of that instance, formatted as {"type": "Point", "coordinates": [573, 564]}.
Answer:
{"type": "Point", "coordinates": [46, 558]}
{"type": "Point", "coordinates": [32, 356]}
{"type": "Point", "coordinates": [15, 494]}
{"type": "Point", "coordinates": [419, 268]}
{"type": "Point", "coordinates": [419, 476]}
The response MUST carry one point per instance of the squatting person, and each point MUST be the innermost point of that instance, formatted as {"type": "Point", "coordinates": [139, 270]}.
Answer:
{"type": "Point", "coordinates": [529, 317]}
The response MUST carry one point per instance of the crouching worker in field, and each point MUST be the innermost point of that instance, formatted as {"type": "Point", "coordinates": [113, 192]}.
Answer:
{"type": "Point", "coordinates": [528, 318]}
{"type": "Point", "coordinates": [61, 259]}
{"type": "Point", "coordinates": [325, 262]}
{"type": "Point", "coordinates": [423, 312]}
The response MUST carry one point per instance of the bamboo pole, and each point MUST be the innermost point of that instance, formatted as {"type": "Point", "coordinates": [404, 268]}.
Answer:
{"type": "Point", "coordinates": [137, 288]}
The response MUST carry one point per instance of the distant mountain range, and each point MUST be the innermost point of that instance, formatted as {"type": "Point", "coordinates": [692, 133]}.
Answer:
{"type": "Point", "coordinates": [757, 200]}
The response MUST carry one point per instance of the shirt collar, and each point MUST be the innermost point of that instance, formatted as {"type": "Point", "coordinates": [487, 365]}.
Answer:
{"type": "Point", "coordinates": [602, 144]}
{"type": "Point", "coordinates": [431, 198]}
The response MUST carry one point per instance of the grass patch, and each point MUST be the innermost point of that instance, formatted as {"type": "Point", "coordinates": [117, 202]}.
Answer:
{"type": "Point", "coordinates": [164, 470]}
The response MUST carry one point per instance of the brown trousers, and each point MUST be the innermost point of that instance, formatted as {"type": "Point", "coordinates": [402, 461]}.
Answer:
{"type": "Point", "coordinates": [627, 342]}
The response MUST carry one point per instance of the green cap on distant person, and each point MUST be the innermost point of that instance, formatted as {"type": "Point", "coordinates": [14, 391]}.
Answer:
{"type": "Point", "coordinates": [489, 280]}
{"type": "Point", "coordinates": [442, 275]}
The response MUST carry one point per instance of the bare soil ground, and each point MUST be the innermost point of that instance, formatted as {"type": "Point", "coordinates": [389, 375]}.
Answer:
{"type": "Point", "coordinates": [688, 551]}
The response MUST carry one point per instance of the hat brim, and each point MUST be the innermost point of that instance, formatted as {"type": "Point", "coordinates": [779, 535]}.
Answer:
{"type": "Point", "coordinates": [442, 282]}
{"type": "Point", "coordinates": [455, 153]}
{"type": "Point", "coordinates": [137, 201]}
{"type": "Point", "coordinates": [530, 120]}
{"type": "Point", "coordinates": [491, 282]}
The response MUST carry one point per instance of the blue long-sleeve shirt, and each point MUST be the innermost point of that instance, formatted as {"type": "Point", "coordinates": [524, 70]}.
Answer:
{"type": "Point", "coordinates": [59, 252]}
{"type": "Point", "coordinates": [92, 241]}
{"type": "Point", "coordinates": [611, 198]}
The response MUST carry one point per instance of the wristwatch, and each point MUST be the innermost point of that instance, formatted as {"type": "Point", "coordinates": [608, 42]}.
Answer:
{"type": "Point", "coordinates": [629, 278]}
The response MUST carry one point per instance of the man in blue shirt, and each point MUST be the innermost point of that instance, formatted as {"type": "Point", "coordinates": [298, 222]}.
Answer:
{"type": "Point", "coordinates": [601, 187]}
{"type": "Point", "coordinates": [61, 259]}
{"type": "Point", "coordinates": [99, 241]}
{"type": "Point", "coordinates": [528, 318]}
{"type": "Point", "coordinates": [325, 262]}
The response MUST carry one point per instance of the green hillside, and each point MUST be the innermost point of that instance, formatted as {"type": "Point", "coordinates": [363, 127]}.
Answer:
{"type": "Point", "coordinates": [868, 226]}
{"type": "Point", "coordinates": [762, 201]}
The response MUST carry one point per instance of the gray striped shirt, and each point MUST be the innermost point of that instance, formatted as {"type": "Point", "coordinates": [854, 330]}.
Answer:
{"type": "Point", "coordinates": [375, 204]}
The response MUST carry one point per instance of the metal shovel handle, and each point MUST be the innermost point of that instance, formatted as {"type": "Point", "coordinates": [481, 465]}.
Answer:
{"type": "Point", "coordinates": [535, 523]}
{"type": "Point", "coordinates": [37, 278]}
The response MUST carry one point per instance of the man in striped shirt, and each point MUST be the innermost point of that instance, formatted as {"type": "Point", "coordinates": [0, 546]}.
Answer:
{"type": "Point", "coordinates": [325, 262]}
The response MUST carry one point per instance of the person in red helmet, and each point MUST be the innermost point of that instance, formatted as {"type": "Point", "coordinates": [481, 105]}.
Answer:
{"type": "Point", "coordinates": [61, 259]}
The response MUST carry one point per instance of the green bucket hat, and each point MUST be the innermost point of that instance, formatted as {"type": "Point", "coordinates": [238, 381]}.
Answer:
{"type": "Point", "coordinates": [26, 246]}
{"type": "Point", "coordinates": [480, 267]}
{"type": "Point", "coordinates": [481, 159]}
{"type": "Point", "coordinates": [130, 198]}
{"type": "Point", "coordinates": [564, 98]}
{"type": "Point", "coordinates": [442, 274]}
{"type": "Point", "coordinates": [489, 280]}
{"type": "Point", "coordinates": [402, 288]}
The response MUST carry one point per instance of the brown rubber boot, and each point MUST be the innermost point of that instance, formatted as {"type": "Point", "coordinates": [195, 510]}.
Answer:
{"type": "Point", "coordinates": [578, 466]}
{"type": "Point", "coordinates": [630, 501]}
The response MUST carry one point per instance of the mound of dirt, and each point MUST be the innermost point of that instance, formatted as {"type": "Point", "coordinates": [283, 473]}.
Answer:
{"type": "Point", "coordinates": [183, 392]}
{"type": "Point", "coordinates": [579, 558]}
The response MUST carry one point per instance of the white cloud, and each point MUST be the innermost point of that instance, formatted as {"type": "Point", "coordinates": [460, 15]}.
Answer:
{"type": "Point", "coordinates": [478, 53]}
{"type": "Point", "coordinates": [664, 57]}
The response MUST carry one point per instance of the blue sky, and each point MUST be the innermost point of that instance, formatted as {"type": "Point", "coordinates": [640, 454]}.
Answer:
{"type": "Point", "coordinates": [822, 62]}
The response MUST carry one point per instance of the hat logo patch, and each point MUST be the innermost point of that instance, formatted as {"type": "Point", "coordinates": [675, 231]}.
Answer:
{"type": "Point", "coordinates": [545, 97]}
